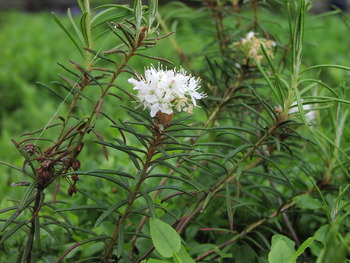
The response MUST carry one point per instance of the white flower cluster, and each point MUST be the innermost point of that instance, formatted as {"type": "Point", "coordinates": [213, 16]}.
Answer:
{"type": "Point", "coordinates": [164, 90]}
{"type": "Point", "coordinates": [250, 47]}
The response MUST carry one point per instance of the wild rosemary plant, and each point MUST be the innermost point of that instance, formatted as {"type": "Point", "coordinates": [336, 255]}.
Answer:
{"type": "Point", "coordinates": [251, 175]}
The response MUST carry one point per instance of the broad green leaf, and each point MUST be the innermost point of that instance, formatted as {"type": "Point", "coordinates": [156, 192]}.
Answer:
{"type": "Point", "coordinates": [307, 202]}
{"type": "Point", "coordinates": [184, 256]}
{"type": "Point", "coordinates": [282, 249]}
{"type": "Point", "coordinates": [165, 239]}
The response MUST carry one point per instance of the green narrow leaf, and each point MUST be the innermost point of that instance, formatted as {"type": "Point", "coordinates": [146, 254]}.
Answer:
{"type": "Point", "coordinates": [150, 203]}
{"type": "Point", "coordinates": [12, 231]}
{"type": "Point", "coordinates": [176, 178]}
{"type": "Point", "coordinates": [300, 106]}
{"type": "Point", "coordinates": [82, 242]}
{"type": "Point", "coordinates": [268, 80]}
{"type": "Point", "coordinates": [165, 239]}
{"type": "Point", "coordinates": [307, 243]}
{"type": "Point", "coordinates": [153, 7]}
{"type": "Point", "coordinates": [53, 91]}
{"type": "Point", "coordinates": [120, 244]}
{"type": "Point", "coordinates": [66, 31]}
{"type": "Point", "coordinates": [19, 169]}
{"type": "Point", "coordinates": [138, 13]}
{"type": "Point", "coordinates": [97, 54]}
{"type": "Point", "coordinates": [279, 86]}
{"type": "Point", "coordinates": [77, 31]}
{"type": "Point", "coordinates": [109, 212]}
{"type": "Point", "coordinates": [236, 151]}
{"type": "Point", "coordinates": [84, 28]}
{"type": "Point", "coordinates": [326, 66]}
{"type": "Point", "coordinates": [107, 177]}
{"type": "Point", "coordinates": [229, 207]}
{"type": "Point", "coordinates": [239, 170]}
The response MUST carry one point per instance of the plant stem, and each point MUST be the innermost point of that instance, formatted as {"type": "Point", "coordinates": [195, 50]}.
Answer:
{"type": "Point", "coordinates": [134, 195]}
{"type": "Point", "coordinates": [33, 228]}
{"type": "Point", "coordinates": [104, 93]}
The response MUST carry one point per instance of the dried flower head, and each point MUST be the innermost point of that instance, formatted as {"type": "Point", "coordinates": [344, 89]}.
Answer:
{"type": "Point", "coordinates": [250, 47]}
{"type": "Point", "coordinates": [166, 90]}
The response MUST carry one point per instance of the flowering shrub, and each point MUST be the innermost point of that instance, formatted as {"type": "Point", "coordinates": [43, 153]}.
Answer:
{"type": "Point", "coordinates": [228, 178]}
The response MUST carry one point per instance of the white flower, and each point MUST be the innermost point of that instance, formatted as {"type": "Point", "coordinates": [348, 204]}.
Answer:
{"type": "Point", "coordinates": [310, 114]}
{"type": "Point", "coordinates": [250, 35]}
{"type": "Point", "coordinates": [163, 90]}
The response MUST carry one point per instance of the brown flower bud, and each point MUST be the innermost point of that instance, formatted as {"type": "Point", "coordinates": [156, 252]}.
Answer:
{"type": "Point", "coordinates": [30, 148]}
{"type": "Point", "coordinates": [75, 165]}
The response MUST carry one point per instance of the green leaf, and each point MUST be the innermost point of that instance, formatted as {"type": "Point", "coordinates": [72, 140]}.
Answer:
{"type": "Point", "coordinates": [282, 249]}
{"type": "Point", "coordinates": [237, 150]}
{"type": "Point", "coordinates": [307, 202]}
{"type": "Point", "coordinates": [184, 256]}
{"type": "Point", "coordinates": [84, 28]}
{"type": "Point", "coordinates": [12, 231]}
{"type": "Point", "coordinates": [165, 239]}
{"type": "Point", "coordinates": [150, 203]}
{"type": "Point", "coordinates": [268, 80]}
{"type": "Point", "coordinates": [107, 177]}
{"type": "Point", "coordinates": [18, 169]}
{"type": "Point", "coordinates": [229, 206]}
{"type": "Point", "coordinates": [245, 254]}
{"type": "Point", "coordinates": [138, 13]}
{"type": "Point", "coordinates": [77, 31]}
{"type": "Point", "coordinates": [99, 55]}
{"type": "Point", "coordinates": [109, 212]}
{"type": "Point", "coordinates": [152, 260]}
{"type": "Point", "coordinates": [307, 243]}
{"type": "Point", "coordinates": [300, 105]}
{"type": "Point", "coordinates": [120, 246]}
{"type": "Point", "coordinates": [326, 66]}
{"type": "Point", "coordinates": [66, 31]}
{"type": "Point", "coordinates": [153, 7]}
{"type": "Point", "coordinates": [53, 91]}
